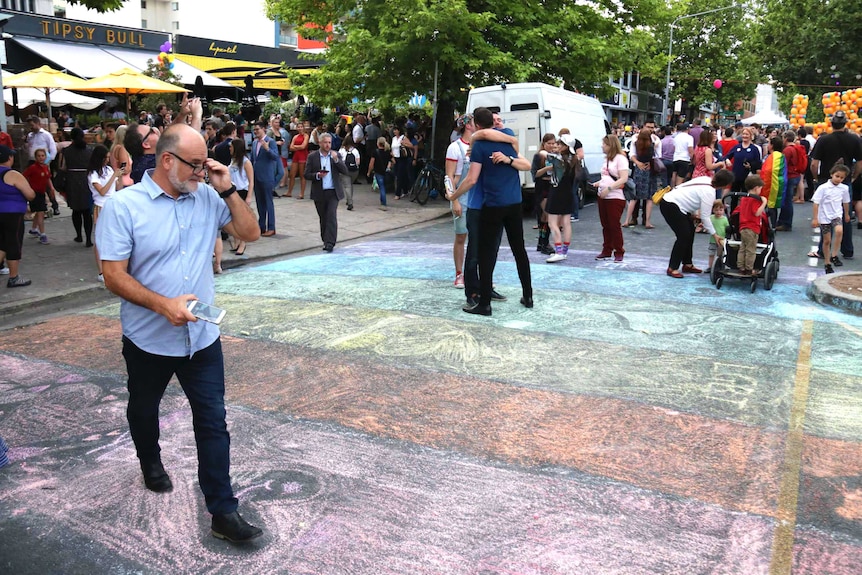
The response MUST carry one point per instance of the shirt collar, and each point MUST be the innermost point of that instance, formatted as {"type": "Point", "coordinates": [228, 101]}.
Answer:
{"type": "Point", "coordinates": [154, 190]}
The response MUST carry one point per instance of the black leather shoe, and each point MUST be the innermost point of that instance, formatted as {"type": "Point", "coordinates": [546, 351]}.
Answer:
{"type": "Point", "coordinates": [478, 309]}
{"type": "Point", "coordinates": [232, 527]}
{"type": "Point", "coordinates": [328, 248]}
{"type": "Point", "coordinates": [527, 301]}
{"type": "Point", "coordinates": [155, 477]}
{"type": "Point", "coordinates": [497, 296]}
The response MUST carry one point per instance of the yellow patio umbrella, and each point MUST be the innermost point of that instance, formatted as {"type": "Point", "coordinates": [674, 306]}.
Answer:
{"type": "Point", "coordinates": [44, 78]}
{"type": "Point", "coordinates": [129, 82]}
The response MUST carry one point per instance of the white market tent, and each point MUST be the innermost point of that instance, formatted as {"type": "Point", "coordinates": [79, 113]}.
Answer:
{"type": "Point", "coordinates": [766, 118]}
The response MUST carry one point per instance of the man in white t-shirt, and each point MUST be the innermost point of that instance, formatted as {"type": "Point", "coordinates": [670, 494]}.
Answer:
{"type": "Point", "coordinates": [457, 165]}
{"type": "Point", "coordinates": [683, 151]}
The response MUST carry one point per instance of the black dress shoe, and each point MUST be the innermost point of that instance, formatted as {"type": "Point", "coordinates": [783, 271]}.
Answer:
{"type": "Point", "coordinates": [155, 477]}
{"type": "Point", "coordinates": [527, 301]}
{"type": "Point", "coordinates": [497, 296]}
{"type": "Point", "coordinates": [328, 247]}
{"type": "Point", "coordinates": [232, 527]}
{"type": "Point", "coordinates": [478, 309]}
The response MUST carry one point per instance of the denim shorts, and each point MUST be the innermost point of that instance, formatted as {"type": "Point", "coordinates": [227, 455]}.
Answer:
{"type": "Point", "coordinates": [460, 222]}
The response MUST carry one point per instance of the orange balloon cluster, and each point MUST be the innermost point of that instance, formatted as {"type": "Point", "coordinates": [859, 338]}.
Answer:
{"type": "Point", "coordinates": [798, 110]}
{"type": "Point", "coordinates": [848, 102]}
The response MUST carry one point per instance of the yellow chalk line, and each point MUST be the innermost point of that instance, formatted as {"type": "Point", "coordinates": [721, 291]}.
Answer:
{"type": "Point", "coordinates": [788, 494]}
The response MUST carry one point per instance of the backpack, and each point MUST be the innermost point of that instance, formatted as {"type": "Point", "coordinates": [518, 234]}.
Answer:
{"type": "Point", "coordinates": [350, 162]}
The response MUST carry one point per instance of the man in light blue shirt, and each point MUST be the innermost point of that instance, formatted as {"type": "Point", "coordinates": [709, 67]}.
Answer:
{"type": "Point", "coordinates": [155, 240]}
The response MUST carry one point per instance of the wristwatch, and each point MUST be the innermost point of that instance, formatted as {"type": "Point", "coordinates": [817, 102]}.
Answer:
{"type": "Point", "coordinates": [227, 192]}
{"type": "Point", "coordinates": [511, 160]}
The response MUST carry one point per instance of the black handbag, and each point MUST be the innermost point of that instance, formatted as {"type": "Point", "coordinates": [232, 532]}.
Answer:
{"type": "Point", "coordinates": [59, 180]}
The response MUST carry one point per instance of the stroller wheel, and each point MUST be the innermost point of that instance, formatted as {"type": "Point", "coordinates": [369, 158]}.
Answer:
{"type": "Point", "coordinates": [753, 286]}
{"type": "Point", "coordinates": [718, 282]}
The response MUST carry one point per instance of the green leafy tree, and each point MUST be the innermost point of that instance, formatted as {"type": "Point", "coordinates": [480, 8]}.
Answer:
{"type": "Point", "coordinates": [812, 44]}
{"type": "Point", "coordinates": [715, 46]}
{"type": "Point", "coordinates": [385, 50]}
{"type": "Point", "coordinates": [99, 5]}
{"type": "Point", "coordinates": [165, 74]}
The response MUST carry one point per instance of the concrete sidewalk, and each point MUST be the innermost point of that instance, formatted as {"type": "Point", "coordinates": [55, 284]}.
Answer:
{"type": "Point", "coordinates": [64, 273]}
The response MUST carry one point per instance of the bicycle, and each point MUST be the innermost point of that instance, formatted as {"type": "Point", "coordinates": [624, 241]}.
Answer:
{"type": "Point", "coordinates": [429, 183]}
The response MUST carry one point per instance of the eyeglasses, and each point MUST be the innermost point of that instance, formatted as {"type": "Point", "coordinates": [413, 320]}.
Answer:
{"type": "Point", "coordinates": [150, 133]}
{"type": "Point", "coordinates": [196, 169]}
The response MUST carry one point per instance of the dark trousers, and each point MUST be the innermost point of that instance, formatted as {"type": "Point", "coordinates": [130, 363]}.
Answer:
{"type": "Point", "coordinates": [471, 255]}
{"type": "Point", "coordinates": [402, 176]}
{"type": "Point", "coordinates": [683, 227]}
{"type": "Point", "coordinates": [265, 207]}
{"type": "Point", "coordinates": [785, 218]}
{"type": "Point", "coordinates": [202, 380]}
{"type": "Point", "coordinates": [610, 212]}
{"type": "Point", "coordinates": [327, 209]}
{"type": "Point", "coordinates": [492, 220]}
{"type": "Point", "coordinates": [85, 218]}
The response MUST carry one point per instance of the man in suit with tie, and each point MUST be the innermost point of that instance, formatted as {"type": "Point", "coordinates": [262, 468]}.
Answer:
{"type": "Point", "coordinates": [264, 156]}
{"type": "Point", "coordinates": [326, 189]}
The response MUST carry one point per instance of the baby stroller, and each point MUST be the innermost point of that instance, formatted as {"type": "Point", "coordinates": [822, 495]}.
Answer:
{"type": "Point", "coordinates": [766, 260]}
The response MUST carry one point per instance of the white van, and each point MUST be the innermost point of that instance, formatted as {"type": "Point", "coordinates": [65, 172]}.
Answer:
{"type": "Point", "coordinates": [534, 109]}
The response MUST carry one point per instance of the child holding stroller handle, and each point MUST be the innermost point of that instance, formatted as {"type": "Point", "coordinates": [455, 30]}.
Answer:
{"type": "Point", "coordinates": [751, 209]}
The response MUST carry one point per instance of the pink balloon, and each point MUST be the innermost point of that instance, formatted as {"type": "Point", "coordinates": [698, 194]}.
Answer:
{"type": "Point", "coordinates": [718, 84]}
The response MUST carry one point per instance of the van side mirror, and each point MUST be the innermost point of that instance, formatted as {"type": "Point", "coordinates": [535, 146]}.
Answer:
{"type": "Point", "coordinates": [546, 114]}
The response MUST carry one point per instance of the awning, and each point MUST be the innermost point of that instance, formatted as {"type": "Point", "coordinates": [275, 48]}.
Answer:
{"type": "Point", "coordinates": [90, 61]}
{"type": "Point", "coordinates": [266, 76]}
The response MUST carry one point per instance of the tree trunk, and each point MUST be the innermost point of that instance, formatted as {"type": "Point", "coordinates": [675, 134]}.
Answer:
{"type": "Point", "coordinates": [445, 115]}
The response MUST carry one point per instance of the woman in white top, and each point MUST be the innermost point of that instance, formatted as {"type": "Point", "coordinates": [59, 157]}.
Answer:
{"type": "Point", "coordinates": [680, 206]}
{"type": "Point", "coordinates": [402, 159]}
{"type": "Point", "coordinates": [241, 176]}
{"type": "Point", "coordinates": [103, 181]}
{"type": "Point", "coordinates": [347, 148]}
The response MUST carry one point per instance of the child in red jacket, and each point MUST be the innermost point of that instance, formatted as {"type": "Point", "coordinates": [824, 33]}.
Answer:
{"type": "Point", "coordinates": [751, 209]}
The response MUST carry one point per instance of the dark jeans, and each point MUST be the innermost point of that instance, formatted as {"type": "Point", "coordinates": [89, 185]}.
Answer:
{"type": "Point", "coordinates": [202, 380]}
{"type": "Point", "coordinates": [683, 227]}
{"type": "Point", "coordinates": [471, 255]}
{"type": "Point", "coordinates": [327, 208]}
{"type": "Point", "coordinates": [402, 176]}
{"type": "Point", "coordinates": [785, 218]}
{"type": "Point", "coordinates": [492, 220]}
{"type": "Point", "coordinates": [265, 207]}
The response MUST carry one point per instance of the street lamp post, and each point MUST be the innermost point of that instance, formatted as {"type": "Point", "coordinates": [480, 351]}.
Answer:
{"type": "Point", "coordinates": [670, 54]}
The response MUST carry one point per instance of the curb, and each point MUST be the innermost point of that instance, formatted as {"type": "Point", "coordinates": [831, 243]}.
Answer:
{"type": "Point", "coordinates": [820, 291]}
{"type": "Point", "coordinates": [56, 303]}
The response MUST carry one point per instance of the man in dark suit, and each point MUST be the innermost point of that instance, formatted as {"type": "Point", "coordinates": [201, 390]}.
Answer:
{"type": "Point", "coordinates": [326, 189]}
{"type": "Point", "coordinates": [264, 156]}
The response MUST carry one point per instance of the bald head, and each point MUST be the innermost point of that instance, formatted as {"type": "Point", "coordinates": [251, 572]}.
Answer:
{"type": "Point", "coordinates": [181, 155]}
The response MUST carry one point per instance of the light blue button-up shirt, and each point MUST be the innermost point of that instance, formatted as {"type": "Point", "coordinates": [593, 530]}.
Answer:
{"type": "Point", "coordinates": [326, 164]}
{"type": "Point", "coordinates": [169, 245]}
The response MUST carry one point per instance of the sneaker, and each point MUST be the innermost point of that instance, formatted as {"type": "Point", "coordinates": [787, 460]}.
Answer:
{"type": "Point", "coordinates": [4, 271]}
{"type": "Point", "coordinates": [618, 258]}
{"type": "Point", "coordinates": [603, 257]}
{"type": "Point", "coordinates": [33, 232]}
{"type": "Point", "coordinates": [471, 303]}
{"type": "Point", "coordinates": [497, 296]}
{"type": "Point", "coordinates": [782, 228]}
{"type": "Point", "coordinates": [56, 211]}
{"type": "Point", "coordinates": [836, 262]}
{"type": "Point", "coordinates": [846, 257]}
{"type": "Point", "coordinates": [43, 239]}
{"type": "Point", "coordinates": [829, 269]}
{"type": "Point", "coordinates": [556, 258]}
{"type": "Point", "coordinates": [459, 280]}
{"type": "Point", "coordinates": [17, 281]}
{"type": "Point", "coordinates": [576, 219]}
{"type": "Point", "coordinates": [101, 278]}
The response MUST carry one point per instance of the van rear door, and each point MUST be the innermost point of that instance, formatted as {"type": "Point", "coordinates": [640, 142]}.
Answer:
{"type": "Point", "coordinates": [526, 125]}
